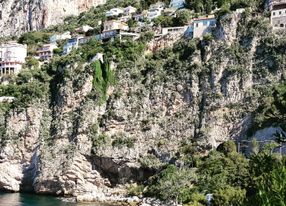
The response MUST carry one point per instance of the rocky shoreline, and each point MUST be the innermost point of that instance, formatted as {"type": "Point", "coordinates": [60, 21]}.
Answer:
{"type": "Point", "coordinates": [121, 200]}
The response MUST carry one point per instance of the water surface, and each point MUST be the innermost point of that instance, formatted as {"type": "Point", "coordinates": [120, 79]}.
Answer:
{"type": "Point", "coordinates": [17, 199]}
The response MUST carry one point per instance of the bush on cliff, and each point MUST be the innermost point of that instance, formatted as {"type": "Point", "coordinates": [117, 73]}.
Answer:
{"type": "Point", "coordinates": [229, 176]}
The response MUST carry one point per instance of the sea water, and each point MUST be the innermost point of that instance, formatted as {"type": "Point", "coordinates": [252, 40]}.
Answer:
{"type": "Point", "coordinates": [20, 199]}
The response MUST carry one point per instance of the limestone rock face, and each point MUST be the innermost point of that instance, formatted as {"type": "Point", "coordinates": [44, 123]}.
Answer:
{"type": "Point", "coordinates": [18, 157]}
{"type": "Point", "coordinates": [28, 15]}
{"type": "Point", "coordinates": [70, 144]}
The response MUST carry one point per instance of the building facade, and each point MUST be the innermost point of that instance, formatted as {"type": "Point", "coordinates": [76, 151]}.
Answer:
{"type": "Point", "coordinates": [56, 37]}
{"type": "Point", "coordinates": [272, 3]}
{"type": "Point", "coordinates": [155, 10]}
{"type": "Point", "coordinates": [177, 4]}
{"type": "Point", "coordinates": [202, 26]}
{"type": "Point", "coordinates": [158, 5]}
{"type": "Point", "coordinates": [278, 16]}
{"type": "Point", "coordinates": [74, 44]}
{"type": "Point", "coordinates": [153, 14]}
{"type": "Point", "coordinates": [12, 57]}
{"type": "Point", "coordinates": [174, 30]}
{"type": "Point", "coordinates": [115, 25]}
{"type": "Point", "coordinates": [114, 12]}
{"type": "Point", "coordinates": [98, 2]}
{"type": "Point", "coordinates": [130, 10]}
{"type": "Point", "coordinates": [45, 53]}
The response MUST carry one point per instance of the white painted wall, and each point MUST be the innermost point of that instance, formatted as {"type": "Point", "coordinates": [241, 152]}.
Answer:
{"type": "Point", "coordinates": [13, 52]}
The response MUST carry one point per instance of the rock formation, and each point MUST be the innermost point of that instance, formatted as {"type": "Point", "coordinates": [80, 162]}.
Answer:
{"type": "Point", "coordinates": [18, 17]}
{"type": "Point", "coordinates": [50, 148]}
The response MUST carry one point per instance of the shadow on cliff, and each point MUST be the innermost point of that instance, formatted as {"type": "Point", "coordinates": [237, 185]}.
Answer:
{"type": "Point", "coordinates": [120, 171]}
{"type": "Point", "coordinates": [29, 173]}
{"type": "Point", "coordinates": [29, 181]}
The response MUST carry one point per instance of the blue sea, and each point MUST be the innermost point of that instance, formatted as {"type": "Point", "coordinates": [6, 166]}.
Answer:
{"type": "Point", "coordinates": [20, 199]}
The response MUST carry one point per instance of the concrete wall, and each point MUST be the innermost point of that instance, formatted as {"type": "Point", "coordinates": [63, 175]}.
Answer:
{"type": "Point", "coordinates": [13, 52]}
{"type": "Point", "coordinates": [278, 19]}
{"type": "Point", "coordinates": [202, 27]}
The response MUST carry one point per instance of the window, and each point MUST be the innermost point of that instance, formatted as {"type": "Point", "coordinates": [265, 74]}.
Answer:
{"type": "Point", "coordinates": [205, 23]}
{"type": "Point", "coordinates": [8, 54]}
{"type": "Point", "coordinates": [280, 12]}
{"type": "Point", "coordinates": [273, 13]}
{"type": "Point", "coordinates": [281, 25]}
{"type": "Point", "coordinates": [197, 24]}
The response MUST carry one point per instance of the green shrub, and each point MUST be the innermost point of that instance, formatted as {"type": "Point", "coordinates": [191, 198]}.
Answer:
{"type": "Point", "coordinates": [29, 86]}
{"type": "Point", "coordinates": [32, 62]}
{"type": "Point", "coordinates": [103, 78]}
{"type": "Point", "coordinates": [229, 196]}
{"type": "Point", "coordinates": [268, 175]}
{"type": "Point", "coordinates": [123, 141]}
{"type": "Point", "coordinates": [34, 37]}
{"type": "Point", "coordinates": [218, 170]}
{"type": "Point", "coordinates": [271, 111]}
{"type": "Point", "coordinates": [182, 18]}
{"type": "Point", "coordinates": [150, 161]}
{"type": "Point", "coordinates": [98, 140]}
{"type": "Point", "coordinates": [227, 147]}
{"type": "Point", "coordinates": [135, 190]}
{"type": "Point", "coordinates": [208, 37]}
{"type": "Point", "coordinates": [172, 184]}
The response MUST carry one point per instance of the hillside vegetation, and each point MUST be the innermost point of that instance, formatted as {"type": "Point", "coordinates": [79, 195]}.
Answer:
{"type": "Point", "coordinates": [164, 124]}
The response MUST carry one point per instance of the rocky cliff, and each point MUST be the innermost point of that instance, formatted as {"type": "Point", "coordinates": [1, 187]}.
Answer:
{"type": "Point", "coordinates": [198, 92]}
{"type": "Point", "coordinates": [18, 17]}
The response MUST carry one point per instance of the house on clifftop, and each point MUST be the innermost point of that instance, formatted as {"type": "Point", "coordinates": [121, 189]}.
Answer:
{"type": "Point", "coordinates": [12, 57]}
{"type": "Point", "coordinates": [177, 4]}
{"type": "Point", "coordinates": [203, 25]}
{"type": "Point", "coordinates": [278, 14]}
{"type": "Point", "coordinates": [45, 53]}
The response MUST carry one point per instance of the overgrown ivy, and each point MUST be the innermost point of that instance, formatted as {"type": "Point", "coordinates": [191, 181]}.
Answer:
{"type": "Point", "coordinates": [103, 78]}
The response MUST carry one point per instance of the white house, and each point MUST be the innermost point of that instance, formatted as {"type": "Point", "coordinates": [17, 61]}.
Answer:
{"type": "Point", "coordinates": [84, 28]}
{"type": "Point", "coordinates": [7, 99]}
{"type": "Point", "coordinates": [278, 16]}
{"type": "Point", "coordinates": [272, 3]}
{"type": "Point", "coordinates": [12, 57]}
{"type": "Point", "coordinates": [115, 25]}
{"type": "Point", "coordinates": [130, 10]}
{"type": "Point", "coordinates": [114, 12]}
{"type": "Point", "coordinates": [98, 2]}
{"type": "Point", "coordinates": [153, 14]}
{"type": "Point", "coordinates": [174, 30]}
{"type": "Point", "coordinates": [140, 17]}
{"type": "Point", "coordinates": [130, 35]}
{"type": "Point", "coordinates": [202, 26]}
{"type": "Point", "coordinates": [45, 53]}
{"type": "Point", "coordinates": [177, 4]}
{"type": "Point", "coordinates": [159, 5]}
{"type": "Point", "coordinates": [64, 36]}
{"type": "Point", "coordinates": [124, 18]}
{"type": "Point", "coordinates": [74, 44]}
{"type": "Point", "coordinates": [155, 10]}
